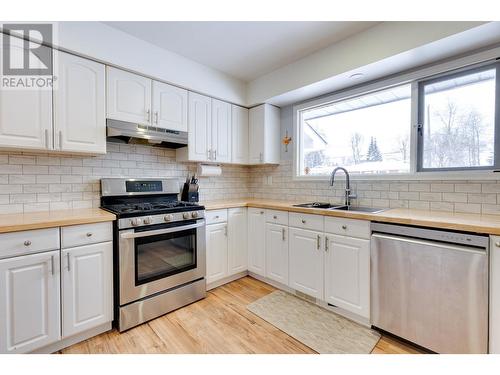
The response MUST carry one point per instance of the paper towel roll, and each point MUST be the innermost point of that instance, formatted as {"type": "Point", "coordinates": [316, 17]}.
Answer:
{"type": "Point", "coordinates": [209, 170]}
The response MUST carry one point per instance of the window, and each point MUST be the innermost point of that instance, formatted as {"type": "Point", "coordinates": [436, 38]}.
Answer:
{"type": "Point", "coordinates": [358, 134]}
{"type": "Point", "coordinates": [442, 123]}
{"type": "Point", "coordinates": [457, 121]}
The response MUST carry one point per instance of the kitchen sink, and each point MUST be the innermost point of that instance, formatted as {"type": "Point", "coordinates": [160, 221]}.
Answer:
{"type": "Point", "coordinates": [329, 206]}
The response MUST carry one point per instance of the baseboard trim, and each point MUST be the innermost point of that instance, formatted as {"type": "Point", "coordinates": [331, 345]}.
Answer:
{"type": "Point", "coordinates": [226, 280]}
{"type": "Point", "coordinates": [64, 343]}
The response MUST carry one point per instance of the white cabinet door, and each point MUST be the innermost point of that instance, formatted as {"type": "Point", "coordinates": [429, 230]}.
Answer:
{"type": "Point", "coordinates": [79, 105]}
{"type": "Point", "coordinates": [87, 287]}
{"type": "Point", "coordinates": [129, 97]}
{"type": "Point", "coordinates": [264, 134]}
{"type": "Point", "coordinates": [306, 262]}
{"type": "Point", "coordinates": [257, 241]}
{"type": "Point", "coordinates": [239, 135]}
{"type": "Point", "coordinates": [200, 127]}
{"type": "Point", "coordinates": [221, 131]}
{"type": "Point", "coordinates": [170, 107]}
{"type": "Point", "coordinates": [29, 302]}
{"type": "Point", "coordinates": [237, 240]}
{"type": "Point", "coordinates": [277, 253]}
{"type": "Point", "coordinates": [347, 273]}
{"type": "Point", "coordinates": [25, 114]}
{"type": "Point", "coordinates": [216, 252]}
{"type": "Point", "coordinates": [494, 347]}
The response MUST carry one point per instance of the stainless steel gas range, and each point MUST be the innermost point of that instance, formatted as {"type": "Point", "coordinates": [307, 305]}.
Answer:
{"type": "Point", "coordinates": [159, 251]}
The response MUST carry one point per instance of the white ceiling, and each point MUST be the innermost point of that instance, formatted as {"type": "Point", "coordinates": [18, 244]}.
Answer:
{"type": "Point", "coordinates": [245, 50]}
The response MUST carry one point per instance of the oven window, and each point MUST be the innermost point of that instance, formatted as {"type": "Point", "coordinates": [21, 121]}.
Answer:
{"type": "Point", "coordinates": [164, 255]}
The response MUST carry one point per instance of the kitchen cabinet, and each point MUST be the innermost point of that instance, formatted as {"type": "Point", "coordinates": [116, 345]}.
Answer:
{"type": "Point", "coordinates": [170, 107]}
{"type": "Point", "coordinates": [237, 240]}
{"type": "Point", "coordinates": [29, 302]}
{"type": "Point", "coordinates": [25, 114]}
{"type": "Point", "coordinates": [264, 135]}
{"type": "Point", "coordinates": [347, 273]}
{"type": "Point", "coordinates": [306, 259]}
{"type": "Point", "coordinates": [129, 97]}
{"type": "Point", "coordinates": [257, 241]}
{"type": "Point", "coordinates": [239, 135]}
{"type": "Point", "coordinates": [221, 131]}
{"type": "Point", "coordinates": [216, 252]}
{"type": "Point", "coordinates": [277, 253]}
{"type": "Point", "coordinates": [494, 329]}
{"type": "Point", "coordinates": [87, 287]}
{"type": "Point", "coordinates": [79, 105]}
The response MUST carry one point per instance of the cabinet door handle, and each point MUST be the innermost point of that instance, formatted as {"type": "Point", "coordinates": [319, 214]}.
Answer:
{"type": "Point", "coordinates": [89, 234]}
{"type": "Point", "coordinates": [156, 117]}
{"type": "Point", "coordinates": [52, 265]}
{"type": "Point", "coordinates": [275, 217]}
{"type": "Point", "coordinates": [303, 221]}
{"type": "Point", "coordinates": [262, 212]}
{"type": "Point", "coordinates": [60, 139]}
{"type": "Point", "coordinates": [148, 115]}
{"type": "Point", "coordinates": [261, 158]}
{"type": "Point", "coordinates": [46, 138]}
{"type": "Point", "coordinates": [68, 261]}
{"type": "Point", "coordinates": [209, 154]}
{"type": "Point", "coordinates": [27, 243]}
{"type": "Point", "coordinates": [215, 154]}
{"type": "Point", "coordinates": [344, 227]}
{"type": "Point", "coordinates": [326, 243]}
{"type": "Point", "coordinates": [225, 231]}
{"type": "Point", "coordinates": [283, 234]}
{"type": "Point", "coordinates": [318, 244]}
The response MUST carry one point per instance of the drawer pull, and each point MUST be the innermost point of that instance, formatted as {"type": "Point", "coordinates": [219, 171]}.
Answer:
{"type": "Point", "coordinates": [326, 243]}
{"type": "Point", "coordinates": [262, 212]}
{"type": "Point", "coordinates": [52, 265]}
{"type": "Point", "coordinates": [69, 262]}
{"type": "Point", "coordinates": [319, 242]}
{"type": "Point", "coordinates": [275, 217]}
{"type": "Point", "coordinates": [344, 227]}
{"type": "Point", "coordinates": [89, 234]}
{"type": "Point", "coordinates": [283, 234]}
{"type": "Point", "coordinates": [216, 217]}
{"type": "Point", "coordinates": [303, 221]}
{"type": "Point", "coordinates": [27, 243]}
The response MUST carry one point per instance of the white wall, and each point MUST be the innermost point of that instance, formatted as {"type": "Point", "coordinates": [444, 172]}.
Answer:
{"type": "Point", "coordinates": [409, 42]}
{"type": "Point", "coordinates": [102, 42]}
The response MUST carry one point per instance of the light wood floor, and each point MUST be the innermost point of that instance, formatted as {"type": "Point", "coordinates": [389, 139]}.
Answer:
{"type": "Point", "coordinates": [219, 323]}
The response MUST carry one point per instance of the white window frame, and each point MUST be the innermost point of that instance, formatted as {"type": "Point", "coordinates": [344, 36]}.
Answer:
{"type": "Point", "coordinates": [484, 57]}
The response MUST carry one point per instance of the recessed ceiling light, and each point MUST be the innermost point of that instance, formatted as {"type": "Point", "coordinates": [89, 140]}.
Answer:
{"type": "Point", "coordinates": [356, 76]}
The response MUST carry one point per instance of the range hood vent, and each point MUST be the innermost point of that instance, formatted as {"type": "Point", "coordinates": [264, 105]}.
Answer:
{"type": "Point", "coordinates": [127, 132]}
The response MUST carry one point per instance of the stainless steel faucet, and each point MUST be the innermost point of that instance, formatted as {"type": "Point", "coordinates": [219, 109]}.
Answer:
{"type": "Point", "coordinates": [348, 195]}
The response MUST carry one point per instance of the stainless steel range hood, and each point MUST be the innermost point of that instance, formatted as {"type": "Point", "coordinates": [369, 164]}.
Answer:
{"type": "Point", "coordinates": [126, 132]}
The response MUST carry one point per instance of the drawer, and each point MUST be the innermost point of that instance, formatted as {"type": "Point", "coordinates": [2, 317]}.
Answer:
{"type": "Point", "coordinates": [29, 241]}
{"type": "Point", "coordinates": [277, 217]}
{"type": "Point", "coordinates": [85, 234]}
{"type": "Point", "coordinates": [348, 227]}
{"type": "Point", "coordinates": [216, 216]}
{"type": "Point", "coordinates": [306, 221]}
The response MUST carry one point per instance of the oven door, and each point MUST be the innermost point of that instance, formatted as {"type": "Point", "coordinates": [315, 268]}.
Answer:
{"type": "Point", "coordinates": [158, 258]}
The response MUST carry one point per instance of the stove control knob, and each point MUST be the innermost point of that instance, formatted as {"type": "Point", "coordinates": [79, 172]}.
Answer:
{"type": "Point", "coordinates": [135, 222]}
{"type": "Point", "coordinates": [194, 214]}
{"type": "Point", "coordinates": [148, 220]}
{"type": "Point", "coordinates": [168, 217]}
{"type": "Point", "coordinates": [185, 215]}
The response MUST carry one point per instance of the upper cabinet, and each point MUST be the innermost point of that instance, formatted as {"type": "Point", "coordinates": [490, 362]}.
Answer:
{"type": "Point", "coordinates": [129, 97]}
{"type": "Point", "coordinates": [170, 107]}
{"type": "Point", "coordinates": [221, 131]}
{"type": "Point", "coordinates": [25, 114]}
{"type": "Point", "coordinates": [209, 130]}
{"type": "Point", "coordinates": [239, 135]}
{"type": "Point", "coordinates": [79, 105]}
{"type": "Point", "coordinates": [264, 135]}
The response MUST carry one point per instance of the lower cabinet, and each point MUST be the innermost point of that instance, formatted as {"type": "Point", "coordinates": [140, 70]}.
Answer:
{"type": "Point", "coordinates": [306, 252]}
{"type": "Point", "coordinates": [237, 240]}
{"type": "Point", "coordinates": [216, 252]}
{"type": "Point", "coordinates": [87, 287]}
{"type": "Point", "coordinates": [277, 253]}
{"type": "Point", "coordinates": [257, 241]}
{"type": "Point", "coordinates": [494, 329]}
{"type": "Point", "coordinates": [347, 273]}
{"type": "Point", "coordinates": [29, 302]}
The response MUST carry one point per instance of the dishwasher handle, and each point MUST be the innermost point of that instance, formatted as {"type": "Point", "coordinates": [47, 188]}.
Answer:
{"type": "Point", "coordinates": [441, 245]}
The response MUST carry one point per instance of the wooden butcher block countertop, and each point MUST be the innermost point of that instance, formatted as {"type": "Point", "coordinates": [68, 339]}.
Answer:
{"type": "Point", "coordinates": [50, 219]}
{"type": "Point", "coordinates": [488, 224]}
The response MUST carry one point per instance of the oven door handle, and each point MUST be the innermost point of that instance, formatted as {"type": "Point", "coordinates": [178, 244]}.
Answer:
{"type": "Point", "coordinates": [161, 231]}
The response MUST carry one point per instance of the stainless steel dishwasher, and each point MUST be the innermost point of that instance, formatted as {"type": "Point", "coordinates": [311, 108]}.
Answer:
{"type": "Point", "coordinates": [431, 287]}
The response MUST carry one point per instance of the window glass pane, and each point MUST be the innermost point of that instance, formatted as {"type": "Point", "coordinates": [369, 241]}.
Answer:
{"type": "Point", "coordinates": [369, 134]}
{"type": "Point", "coordinates": [458, 117]}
